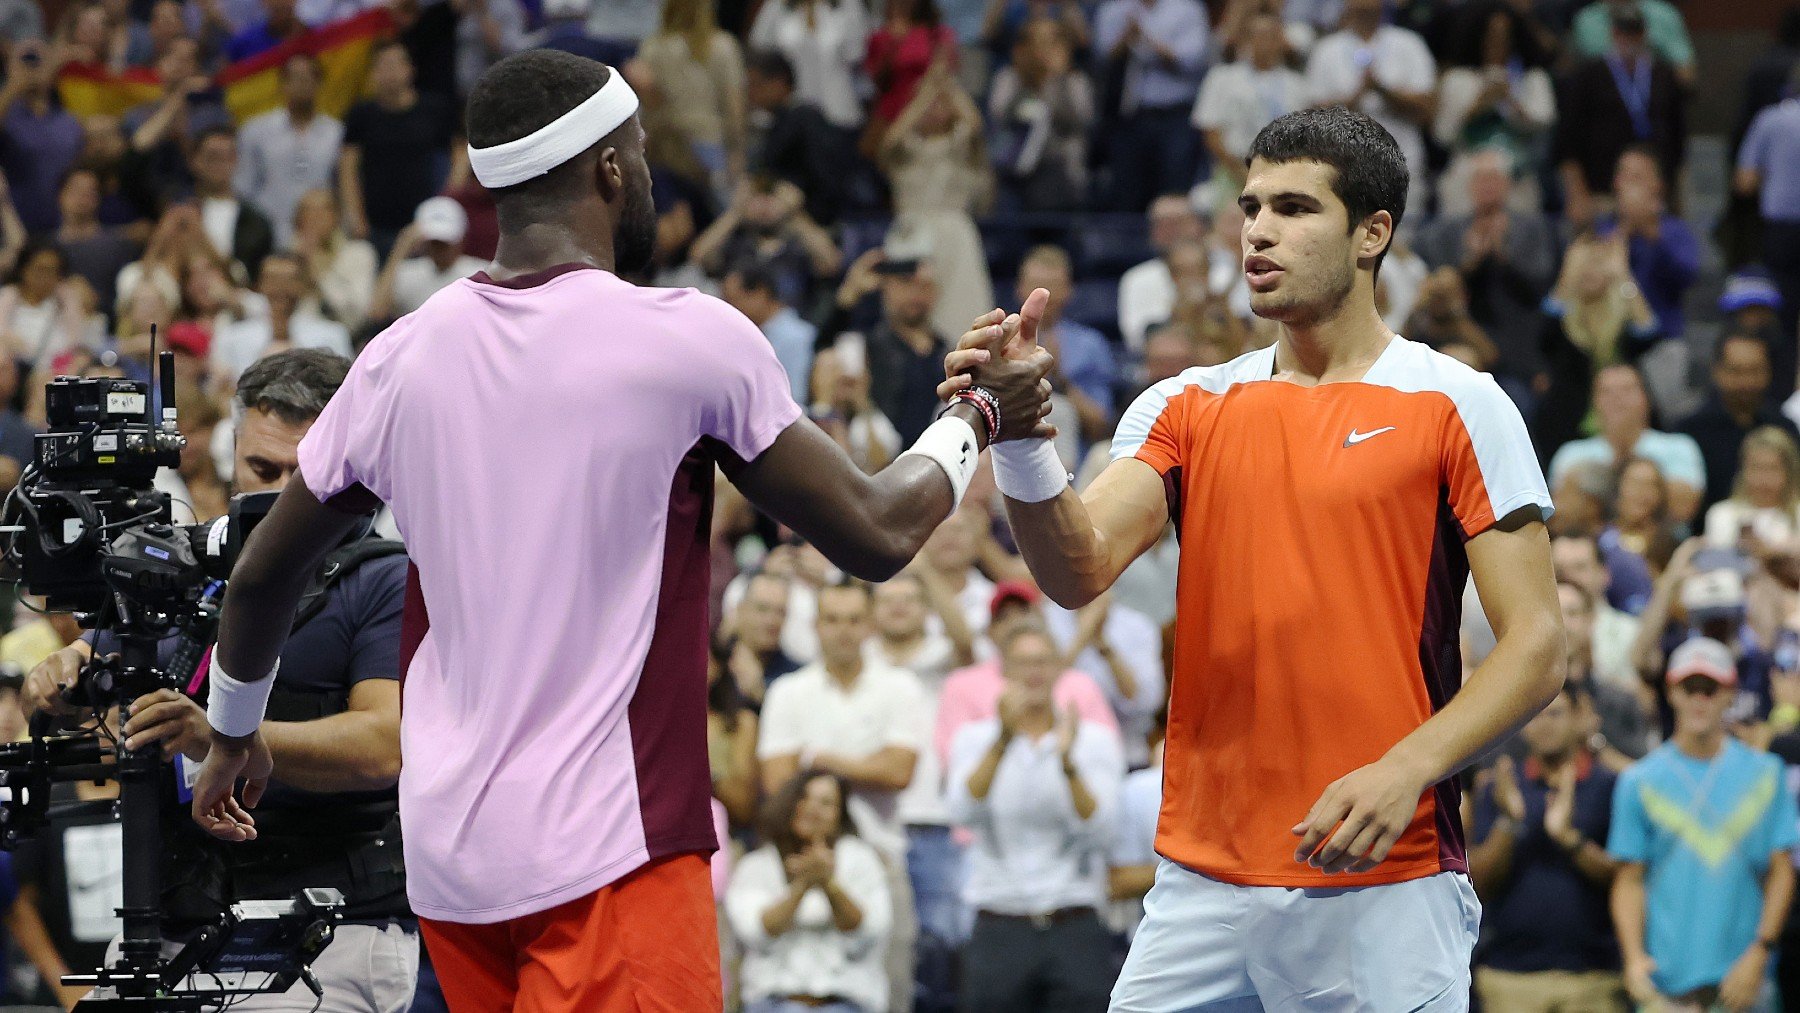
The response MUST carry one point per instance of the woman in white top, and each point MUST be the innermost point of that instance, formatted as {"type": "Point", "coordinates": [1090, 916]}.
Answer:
{"type": "Point", "coordinates": [41, 313]}
{"type": "Point", "coordinates": [935, 158]}
{"type": "Point", "coordinates": [825, 41]}
{"type": "Point", "coordinates": [1499, 95]}
{"type": "Point", "coordinates": [1764, 508]}
{"type": "Point", "coordinates": [343, 268]}
{"type": "Point", "coordinates": [811, 909]}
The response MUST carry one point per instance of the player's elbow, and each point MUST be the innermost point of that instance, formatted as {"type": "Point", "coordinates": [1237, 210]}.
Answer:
{"type": "Point", "coordinates": [881, 558]}
{"type": "Point", "coordinates": [377, 770]}
{"type": "Point", "coordinates": [1549, 652]}
{"type": "Point", "coordinates": [1068, 594]}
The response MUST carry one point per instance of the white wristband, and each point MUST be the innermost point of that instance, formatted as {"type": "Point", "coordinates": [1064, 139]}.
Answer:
{"type": "Point", "coordinates": [950, 444]}
{"type": "Point", "coordinates": [1029, 470]}
{"type": "Point", "coordinates": [236, 708]}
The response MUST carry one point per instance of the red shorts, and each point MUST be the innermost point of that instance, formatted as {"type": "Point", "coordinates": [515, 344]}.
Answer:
{"type": "Point", "coordinates": [648, 942]}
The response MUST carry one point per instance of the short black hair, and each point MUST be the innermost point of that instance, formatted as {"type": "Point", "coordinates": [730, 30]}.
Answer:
{"type": "Point", "coordinates": [525, 93]}
{"type": "Point", "coordinates": [1471, 33]}
{"type": "Point", "coordinates": [1787, 31]}
{"type": "Point", "coordinates": [770, 63]}
{"type": "Point", "coordinates": [1369, 172]}
{"type": "Point", "coordinates": [30, 252]}
{"type": "Point", "coordinates": [755, 276]}
{"type": "Point", "coordinates": [295, 385]}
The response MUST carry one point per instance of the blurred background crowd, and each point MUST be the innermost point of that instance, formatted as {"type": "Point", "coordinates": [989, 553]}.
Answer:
{"type": "Point", "coordinates": [1604, 215]}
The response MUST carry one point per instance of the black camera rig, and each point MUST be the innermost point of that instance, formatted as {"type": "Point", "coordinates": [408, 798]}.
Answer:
{"type": "Point", "coordinates": [87, 530]}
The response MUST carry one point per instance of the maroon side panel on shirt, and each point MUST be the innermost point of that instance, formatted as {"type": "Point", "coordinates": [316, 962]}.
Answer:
{"type": "Point", "coordinates": [414, 621]}
{"type": "Point", "coordinates": [668, 710]}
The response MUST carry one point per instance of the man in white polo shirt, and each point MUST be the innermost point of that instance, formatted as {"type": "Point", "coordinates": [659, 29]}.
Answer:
{"type": "Point", "coordinates": [427, 256]}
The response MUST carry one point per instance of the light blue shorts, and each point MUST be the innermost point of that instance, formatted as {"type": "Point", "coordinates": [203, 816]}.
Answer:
{"type": "Point", "coordinates": [1211, 947]}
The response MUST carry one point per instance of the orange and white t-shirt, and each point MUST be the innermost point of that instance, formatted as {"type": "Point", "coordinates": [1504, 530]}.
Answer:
{"type": "Point", "coordinates": [1320, 591]}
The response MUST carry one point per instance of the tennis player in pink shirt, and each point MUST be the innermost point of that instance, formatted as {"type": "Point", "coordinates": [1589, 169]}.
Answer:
{"type": "Point", "coordinates": [546, 433]}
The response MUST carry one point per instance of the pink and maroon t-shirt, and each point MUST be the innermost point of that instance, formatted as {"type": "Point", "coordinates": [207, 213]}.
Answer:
{"type": "Point", "coordinates": [546, 444]}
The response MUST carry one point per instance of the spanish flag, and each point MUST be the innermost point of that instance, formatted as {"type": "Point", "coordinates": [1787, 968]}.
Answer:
{"type": "Point", "coordinates": [88, 89]}
{"type": "Point", "coordinates": [253, 86]}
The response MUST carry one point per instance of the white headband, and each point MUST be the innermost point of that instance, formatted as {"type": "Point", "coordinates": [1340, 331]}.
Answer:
{"type": "Point", "coordinates": [558, 141]}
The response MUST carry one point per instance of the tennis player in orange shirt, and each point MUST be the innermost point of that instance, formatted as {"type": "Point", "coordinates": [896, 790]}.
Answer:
{"type": "Point", "coordinates": [1333, 493]}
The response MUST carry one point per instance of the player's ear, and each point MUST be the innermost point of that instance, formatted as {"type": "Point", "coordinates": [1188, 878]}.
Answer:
{"type": "Point", "coordinates": [1375, 235]}
{"type": "Point", "coordinates": [609, 174]}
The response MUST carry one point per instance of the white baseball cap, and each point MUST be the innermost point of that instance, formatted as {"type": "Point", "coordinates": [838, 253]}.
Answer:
{"type": "Point", "coordinates": [442, 219]}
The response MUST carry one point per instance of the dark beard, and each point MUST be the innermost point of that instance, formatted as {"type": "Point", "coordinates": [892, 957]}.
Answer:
{"type": "Point", "coordinates": [634, 237]}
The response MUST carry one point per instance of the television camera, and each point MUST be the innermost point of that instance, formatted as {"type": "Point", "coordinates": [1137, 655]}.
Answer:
{"type": "Point", "coordinates": [88, 531]}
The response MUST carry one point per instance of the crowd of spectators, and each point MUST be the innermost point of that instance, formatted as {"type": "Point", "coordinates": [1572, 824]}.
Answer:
{"type": "Point", "coordinates": [942, 791]}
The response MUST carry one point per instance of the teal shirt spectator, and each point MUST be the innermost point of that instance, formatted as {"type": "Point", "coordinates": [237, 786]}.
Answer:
{"type": "Point", "coordinates": [1676, 455]}
{"type": "Point", "coordinates": [1662, 23]}
{"type": "Point", "coordinates": [1705, 832]}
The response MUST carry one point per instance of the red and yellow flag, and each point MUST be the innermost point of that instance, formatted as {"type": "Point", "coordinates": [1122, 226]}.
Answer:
{"type": "Point", "coordinates": [88, 89]}
{"type": "Point", "coordinates": [253, 86]}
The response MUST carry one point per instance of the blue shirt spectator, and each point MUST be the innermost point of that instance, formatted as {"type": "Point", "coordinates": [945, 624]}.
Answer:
{"type": "Point", "coordinates": [1622, 410]}
{"type": "Point", "coordinates": [1769, 161]}
{"type": "Point", "coordinates": [1164, 42]}
{"type": "Point", "coordinates": [280, 23]}
{"type": "Point", "coordinates": [39, 142]}
{"type": "Point", "coordinates": [1706, 831]}
{"type": "Point", "coordinates": [1662, 248]}
{"type": "Point", "coordinates": [1676, 455]}
{"type": "Point", "coordinates": [1663, 264]}
{"type": "Point", "coordinates": [1083, 356]}
{"type": "Point", "coordinates": [751, 288]}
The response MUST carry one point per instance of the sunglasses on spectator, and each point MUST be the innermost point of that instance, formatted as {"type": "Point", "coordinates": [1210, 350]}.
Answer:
{"type": "Point", "coordinates": [1699, 687]}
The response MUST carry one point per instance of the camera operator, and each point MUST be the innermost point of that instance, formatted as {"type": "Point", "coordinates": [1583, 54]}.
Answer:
{"type": "Point", "coordinates": [331, 818]}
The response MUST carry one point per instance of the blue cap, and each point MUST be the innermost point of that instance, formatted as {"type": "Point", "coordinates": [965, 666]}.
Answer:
{"type": "Point", "coordinates": [1749, 287]}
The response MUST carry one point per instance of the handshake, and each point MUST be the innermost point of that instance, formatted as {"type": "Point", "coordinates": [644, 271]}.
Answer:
{"type": "Point", "coordinates": [998, 368]}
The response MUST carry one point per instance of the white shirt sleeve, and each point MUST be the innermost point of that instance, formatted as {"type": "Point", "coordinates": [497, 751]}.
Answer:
{"type": "Point", "coordinates": [1100, 761]}
{"type": "Point", "coordinates": [756, 884]}
{"type": "Point", "coordinates": [782, 730]}
{"type": "Point", "coordinates": [966, 750]}
{"type": "Point", "coordinates": [906, 716]}
{"type": "Point", "coordinates": [1210, 106]}
{"type": "Point", "coordinates": [864, 878]}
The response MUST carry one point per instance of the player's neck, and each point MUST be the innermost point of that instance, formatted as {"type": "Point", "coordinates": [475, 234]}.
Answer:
{"type": "Point", "coordinates": [1336, 348]}
{"type": "Point", "coordinates": [1036, 721]}
{"type": "Point", "coordinates": [900, 646]}
{"type": "Point", "coordinates": [1701, 744]}
{"type": "Point", "coordinates": [540, 246]}
{"type": "Point", "coordinates": [846, 672]}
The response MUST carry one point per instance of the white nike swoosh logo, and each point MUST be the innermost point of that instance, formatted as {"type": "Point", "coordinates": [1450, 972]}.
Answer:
{"type": "Point", "coordinates": [1355, 437]}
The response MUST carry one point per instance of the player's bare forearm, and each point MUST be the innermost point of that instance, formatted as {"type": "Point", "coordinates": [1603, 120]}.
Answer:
{"type": "Point", "coordinates": [358, 750]}
{"type": "Point", "coordinates": [1076, 546]}
{"type": "Point", "coordinates": [1490, 862]}
{"type": "Point", "coordinates": [873, 525]}
{"type": "Point", "coordinates": [888, 769]}
{"type": "Point", "coordinates": [867, 525]}
{"type": "Point", "coordinates": [1778, 895]}
{"type": "Point", "coordinates": [1525, 671]}
{"type": "Point", "coordinates": [1130, 882]}
{"type": "Point", "coordinates": [271, 574]}
{"type": "Point", "coordinates": [1592, 861]}
{"type": "Point", "coordinates": [1628, 907]}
